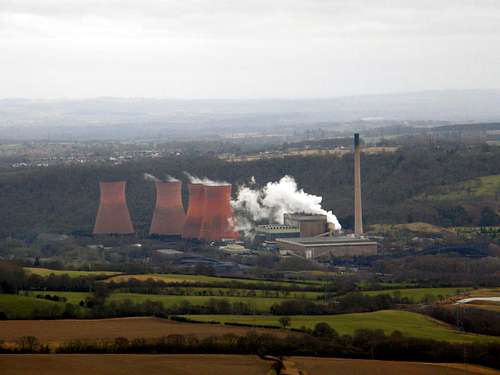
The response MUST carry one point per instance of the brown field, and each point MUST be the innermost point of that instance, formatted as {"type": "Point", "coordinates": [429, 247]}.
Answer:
{"type": "Point", "coordinates": [121, 364]}
{"type": "Point", "coordinates": [328, 366]}
{"type": "Point", "coordinates": [57, 331]}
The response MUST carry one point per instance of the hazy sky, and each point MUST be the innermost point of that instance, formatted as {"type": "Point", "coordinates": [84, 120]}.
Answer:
{"type": "Point", "coordinates": [246, 48]}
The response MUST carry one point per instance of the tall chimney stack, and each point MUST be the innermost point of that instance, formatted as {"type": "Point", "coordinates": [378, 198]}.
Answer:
{"type": "Point", "coordinates": [358, 214]}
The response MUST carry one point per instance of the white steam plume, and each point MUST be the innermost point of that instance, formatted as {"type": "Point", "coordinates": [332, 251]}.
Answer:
{"type": "Point", "coordinates": [274, 200]}
{"type": "Point", "coordinates": [150, 177]}
{"type": "Point", "coordinates": [205, 181]}
{"type": "Point", "coordinates": [170, 178]}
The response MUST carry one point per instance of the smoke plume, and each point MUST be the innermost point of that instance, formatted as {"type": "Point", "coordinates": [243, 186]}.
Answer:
{"type": "Point", "coordinates": [205, 181]}
{"type": "Point", "coordinates": [274, 200]}
{"type": "Point", "coordinates": [150, 177]}
{"type": "Point", "coordinates": [169, 178]}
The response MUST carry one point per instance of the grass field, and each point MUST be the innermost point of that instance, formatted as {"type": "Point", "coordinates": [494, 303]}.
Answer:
{"type": "Point", "coordinates": [476, 189]}
{"type": "Point", "coordinates": [71, 297]}
{"type": "Point", "coordinates": [121, 364]}
{"type": "Point", "coordinates": [418, 294]}
{"type": "Point", "coordinates": [410, 324]}
{"type": "Point", "coordinates": [21, 307]}
{"type": "Point", "coordinates": [46, 272]}
{"type": "Point", "coordinates": [258, 304]}
{"type": "Point", "coordinates": [175, 278]}
{"type": "Point", "coordinates": [57, 331]}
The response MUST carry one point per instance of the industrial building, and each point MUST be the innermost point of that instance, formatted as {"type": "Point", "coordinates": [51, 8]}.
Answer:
{"type": "Point", "coordinates": [328, 246]}
{"type": "Point", "coordinates": [113, 216]}
{"type": "Point", "coordinates": [310, 225]}
{"type": "Point", "coordinates": [270, 232]}
{"type": "Point", "coordinates": [217, 214]}
{"type": "Point", "coordinates": [169, 216]}
{"type": "Point", "coordinates": [194, 217]}
{"type": "Point", "coordinates": [316, 242]}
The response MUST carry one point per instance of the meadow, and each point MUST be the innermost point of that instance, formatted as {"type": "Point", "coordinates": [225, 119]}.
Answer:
{"type": "Point", "coordinates": [44, 272]}
{"type": "Point", "coordinates": [410, 324]}
{"type": "Point", "coordinates": [177, 278]}
{"type": "Point", "coordinates": [22, 307]}
{"type": "Point", "coordinates": [418, 294]}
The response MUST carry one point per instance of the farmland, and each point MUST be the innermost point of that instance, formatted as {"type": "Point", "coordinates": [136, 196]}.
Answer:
{"type": "Point", "coordinates": [189, 364]}
{"type": "Point", "coordinates": [410, 324]}
{"type": "Point", "coordinates": [133, 364]}
{"type": "Point", "coordinates": [177, 278]}
{"type": "Point", "coordinates": [21, 307]}
{"type": "Point", "coordinates": [58, 331]}
{"type": "Point", "coordinates": [418, 294]}
{"type": "Point", "coordinates": [46, 272]}
{"type": "Point", "coordinates": [327, 366]}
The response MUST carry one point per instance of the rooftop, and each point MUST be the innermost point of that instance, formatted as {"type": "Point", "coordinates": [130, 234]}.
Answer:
{"type": "Point", "coordinates": [277, 228]}
{"type": "Point", "coordinates": [327, 241]}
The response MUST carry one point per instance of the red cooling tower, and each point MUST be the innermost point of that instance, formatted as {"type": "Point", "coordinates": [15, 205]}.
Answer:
{"type": "Point", "coordinates": [169, 215]}
{"type": "Point", "coordinates": [217, 214]}
{"type": "Point", "coordinates": [194, 217]}
{"type": "Point", "coordinates": [113, 216]}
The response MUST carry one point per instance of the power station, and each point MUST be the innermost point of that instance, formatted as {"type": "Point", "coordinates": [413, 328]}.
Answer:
{"type": "Point", "coordinates": [169, 215]}
{"type": "Point", "coordinates": [317, 246]}
{"type": "Point", "coordinates": [112, 215]}
{"type": "Point", "coordinates": [210, 218]}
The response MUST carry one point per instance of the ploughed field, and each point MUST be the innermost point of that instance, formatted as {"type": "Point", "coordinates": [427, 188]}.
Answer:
{"type": "Point", "coordinates": [120, 364]}
{"type": "Point", "coordinates": [185, 364]}
{"type": "Point", "coordinates": [59, 331]}
{"type": "Point", "coordinates": [334, 366]}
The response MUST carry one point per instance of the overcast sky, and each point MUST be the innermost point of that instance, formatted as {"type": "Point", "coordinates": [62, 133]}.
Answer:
{"type": "Point", "coordinates": [246, 48]}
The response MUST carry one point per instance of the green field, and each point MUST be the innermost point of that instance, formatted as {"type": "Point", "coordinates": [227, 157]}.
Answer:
{"type": "Point", "coordinates": [46, 272]}
{"type": "Point", "coordinates": [410, 324]}
{"type": "Point", "coordinates": [230, 292]}
{"type": "Point", "coordinates": [21, 307]}
{"type": "Point", "coordinates": [175, 278]}
{"type": "Point", "coordinates": [71, 297]}
{"type": "Point", "coordinates": [258, 304]}
{"type": "Point", "coordinates": [481, 188]}
{"type": "Point", "coordinates": [418, 294]}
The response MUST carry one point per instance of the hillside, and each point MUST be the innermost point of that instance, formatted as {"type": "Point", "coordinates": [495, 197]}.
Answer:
{"type": "Point", "coordinates": [65, 199]}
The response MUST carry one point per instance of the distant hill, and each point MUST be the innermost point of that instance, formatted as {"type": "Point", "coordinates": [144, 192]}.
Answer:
{"type": "Point", "coordinates": [122, 118]}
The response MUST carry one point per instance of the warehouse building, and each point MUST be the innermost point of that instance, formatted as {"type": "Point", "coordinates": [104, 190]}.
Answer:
{"type": "Point", "coordinates": [329, 246]}
{"type": "Point", "coordinates": [271, 232]}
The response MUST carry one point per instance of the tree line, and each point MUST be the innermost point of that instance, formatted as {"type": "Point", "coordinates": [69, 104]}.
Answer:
{"type": "Point", "coordinates": [322, 341]}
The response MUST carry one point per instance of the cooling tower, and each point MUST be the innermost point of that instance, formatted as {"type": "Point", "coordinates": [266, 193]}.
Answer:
{"type": "Point", "coordinates": [217, 214]}
{"type": "Point", "coordinates": [194, 217]}
{"type": "Point", "coordinates": [169, 215]}
{"type": "Point", "coordinates": [358, 214]}
{"type": "Point", "coordinates": [113, 216]}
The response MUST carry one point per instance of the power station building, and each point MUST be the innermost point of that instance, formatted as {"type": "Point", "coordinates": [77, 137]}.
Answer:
{"type": "Point", "coordinates": [169, 216]}
{"type": "Point", "coordinates": [315, 241]}
{"type": "Point", "coordinates": [328, 246]}
{"type": "Point", "coordinates": [113, 216]}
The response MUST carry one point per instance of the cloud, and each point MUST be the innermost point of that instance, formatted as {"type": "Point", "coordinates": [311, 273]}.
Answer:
{"type": "Point", "coordinates": [245, 48]}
